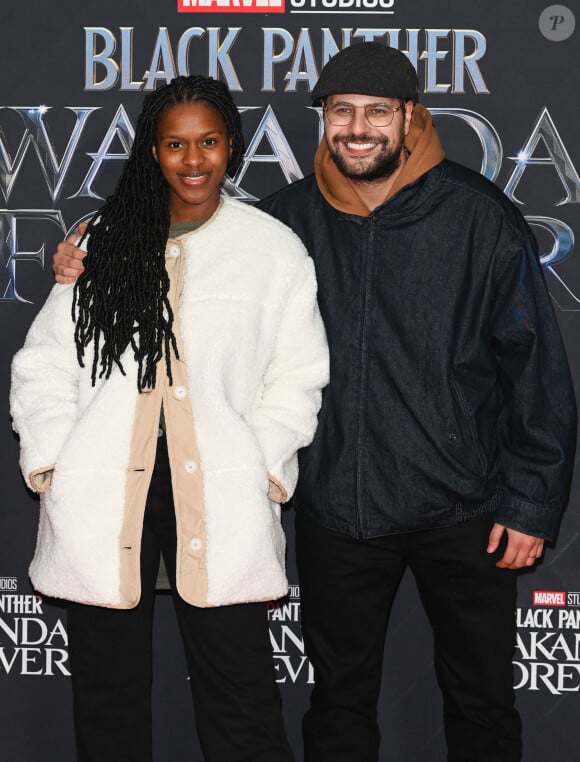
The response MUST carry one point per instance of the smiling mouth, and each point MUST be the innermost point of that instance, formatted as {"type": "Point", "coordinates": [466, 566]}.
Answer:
{"type": "Point", "coordinates": [193, 179]}
{"type": "Point", "coordinates": [359, 147]}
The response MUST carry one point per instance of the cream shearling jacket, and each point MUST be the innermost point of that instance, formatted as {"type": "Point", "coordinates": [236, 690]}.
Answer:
{"type": "Point", "coordinates": [253, 361]}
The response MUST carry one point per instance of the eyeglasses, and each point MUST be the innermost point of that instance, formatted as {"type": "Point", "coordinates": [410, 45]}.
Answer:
{"type": "Point", "coordinates": [376, 114]}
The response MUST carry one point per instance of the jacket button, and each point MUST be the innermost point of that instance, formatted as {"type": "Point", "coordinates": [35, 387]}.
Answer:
{"type": "Point", "coordinates": [195, 543]}
{"type": "Point", "coordinates": [190, 466]}
{"type": "Point", "coordinates": [452, 438]}
{"type": "Point", "coordinates": [173, 250]}
{"type": "Point", "coordinates": [179, 392]}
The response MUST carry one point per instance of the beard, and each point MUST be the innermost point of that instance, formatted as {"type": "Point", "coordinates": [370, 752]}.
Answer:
{"type": "Point", "coordinates": [380, 167]}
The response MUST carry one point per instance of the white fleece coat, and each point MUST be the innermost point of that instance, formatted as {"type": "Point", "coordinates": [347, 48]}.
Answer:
{"type": "Point", "coordinates": [256, 357]}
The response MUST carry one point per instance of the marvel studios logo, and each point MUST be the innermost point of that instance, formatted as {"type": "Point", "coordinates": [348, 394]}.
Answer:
{"type": "Point", "coordinates": [279, 6]}
{"type": "Point", "coordinates": [555, 598]}
{"type": "Point", "coordinates": [8, 583]}
{"type": "Point", "coordinates": [231, 6]}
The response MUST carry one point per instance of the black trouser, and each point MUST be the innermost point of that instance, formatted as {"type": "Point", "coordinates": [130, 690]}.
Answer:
{"type": "Point", "coordinates": [228, 652]}
{"type": "Point", "coordinates": [347, 590]}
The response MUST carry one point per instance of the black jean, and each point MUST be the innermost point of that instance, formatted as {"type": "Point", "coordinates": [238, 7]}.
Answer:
{"type": "Point", "coordinates": [347, 590]}
{"type": "Point", "coordinates": [229, 658]}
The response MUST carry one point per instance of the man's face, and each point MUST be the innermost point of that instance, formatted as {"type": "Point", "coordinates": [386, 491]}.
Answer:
{"type": "Point", "coordinates": [361, 151]}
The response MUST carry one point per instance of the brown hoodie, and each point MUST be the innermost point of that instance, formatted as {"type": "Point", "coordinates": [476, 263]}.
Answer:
{"type": "Point", "coordinates": [425, 152]}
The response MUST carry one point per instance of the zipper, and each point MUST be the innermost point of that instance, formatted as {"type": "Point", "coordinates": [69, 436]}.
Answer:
{"type": "Point", "coordinates": [363, 371]}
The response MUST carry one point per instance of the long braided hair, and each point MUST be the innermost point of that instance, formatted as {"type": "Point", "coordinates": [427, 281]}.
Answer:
{"type": "Point", "coordinates": [121, 299]}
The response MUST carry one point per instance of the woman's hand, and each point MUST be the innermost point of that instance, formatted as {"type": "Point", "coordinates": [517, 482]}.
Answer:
{"type": "Point", "coordinates": [67, 261]}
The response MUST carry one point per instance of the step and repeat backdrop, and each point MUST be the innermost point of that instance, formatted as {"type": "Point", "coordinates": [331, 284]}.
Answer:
{"type": "Point", "coordinates": [502, 81]}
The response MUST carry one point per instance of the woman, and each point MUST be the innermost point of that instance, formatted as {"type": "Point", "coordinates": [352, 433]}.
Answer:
{"type": "Point", "coordinates": [165, 420]}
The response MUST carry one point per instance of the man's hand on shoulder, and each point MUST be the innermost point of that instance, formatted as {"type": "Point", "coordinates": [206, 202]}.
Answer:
{"type": "Point", "coordinates": [67, 261]}
{"type": "Point", "coordinates": [522, 550]}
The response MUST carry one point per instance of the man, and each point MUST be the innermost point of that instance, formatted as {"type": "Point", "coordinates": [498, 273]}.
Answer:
{"type": "Point", "coordinates": [446, 436]}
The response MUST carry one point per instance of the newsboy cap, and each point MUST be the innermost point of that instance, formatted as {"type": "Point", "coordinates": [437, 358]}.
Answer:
{"type": "Point", "coordinates": [368, 68]}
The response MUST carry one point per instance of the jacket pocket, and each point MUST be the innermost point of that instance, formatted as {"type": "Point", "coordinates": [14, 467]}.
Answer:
{"type": "Point", "coordinates": [468, 418]}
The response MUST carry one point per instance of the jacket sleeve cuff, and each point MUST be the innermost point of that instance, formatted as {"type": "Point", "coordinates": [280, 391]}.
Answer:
{"type": "Point", "coordinates": [276, 493]}
{"type": "Point", "coordinates": [41, 478]}
{"type": "Point", "coordinates": [534, 519]}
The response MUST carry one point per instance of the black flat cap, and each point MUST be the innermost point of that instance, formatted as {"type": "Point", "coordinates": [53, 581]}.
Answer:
{"type": "Point", "coordinates": [368, 68]}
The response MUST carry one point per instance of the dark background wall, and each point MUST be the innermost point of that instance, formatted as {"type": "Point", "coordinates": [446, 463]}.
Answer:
{"type": "Point", "coordinates": [503, 83]}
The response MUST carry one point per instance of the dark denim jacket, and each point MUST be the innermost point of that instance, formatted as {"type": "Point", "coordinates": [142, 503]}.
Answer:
{"type": "Point", "coordinates": [450, 393]}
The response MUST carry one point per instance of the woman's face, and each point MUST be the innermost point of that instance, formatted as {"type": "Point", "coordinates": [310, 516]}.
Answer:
{"type": "Point", "coordinates": [192, 148]}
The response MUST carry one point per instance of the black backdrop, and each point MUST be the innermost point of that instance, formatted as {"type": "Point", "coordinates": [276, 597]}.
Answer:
{"type": "Point", "coordinates": [503, 82]}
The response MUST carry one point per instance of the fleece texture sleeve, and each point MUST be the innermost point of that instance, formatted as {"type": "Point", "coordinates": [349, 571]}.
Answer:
{"type": "Point", "coordinates": [284, 417]}
{"type": "Point", "coordinates": [44, 388]}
